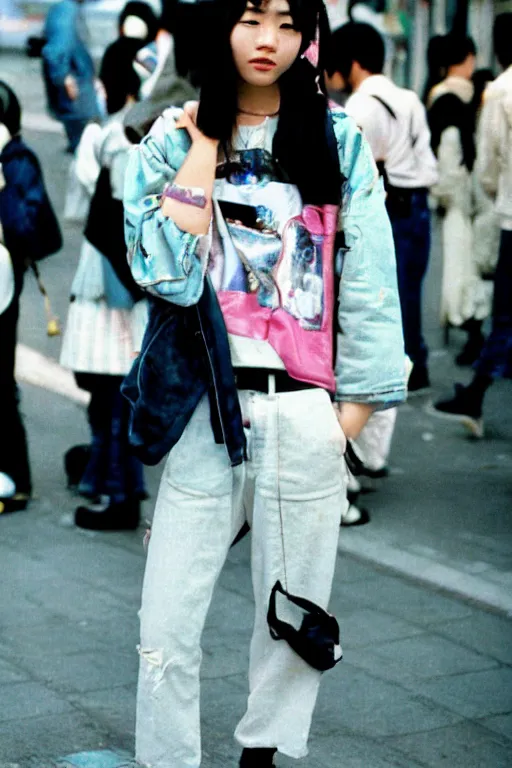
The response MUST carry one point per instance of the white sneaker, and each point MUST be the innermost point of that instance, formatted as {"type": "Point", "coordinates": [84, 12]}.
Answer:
{"type": "Point", "coordinates": [7, 486]}
{"type": "Point", "coordinates": [354, 516]}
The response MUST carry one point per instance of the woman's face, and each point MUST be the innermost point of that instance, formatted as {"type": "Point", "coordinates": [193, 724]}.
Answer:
{"type": "Point", "coordinates": [265, 42]}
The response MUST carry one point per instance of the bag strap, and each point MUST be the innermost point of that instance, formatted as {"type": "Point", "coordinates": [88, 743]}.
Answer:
{"type": "Point", "coordinates": [413, 139]}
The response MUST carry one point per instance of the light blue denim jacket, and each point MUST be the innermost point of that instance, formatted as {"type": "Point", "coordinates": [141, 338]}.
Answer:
{"type": "Point", "coordinates": [370, 364]}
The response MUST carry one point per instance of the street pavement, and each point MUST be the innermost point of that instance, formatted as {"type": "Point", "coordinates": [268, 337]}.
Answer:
{"type": "Point", "coordinates": [423, 593]}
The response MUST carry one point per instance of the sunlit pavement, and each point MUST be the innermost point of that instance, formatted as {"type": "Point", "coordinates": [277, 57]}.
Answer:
{"type": "Point", "coordinates": [426, 679]}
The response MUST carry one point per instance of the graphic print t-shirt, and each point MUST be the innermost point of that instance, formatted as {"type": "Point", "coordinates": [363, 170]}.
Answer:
{"type": "Point", "coordinates": [251, 264]}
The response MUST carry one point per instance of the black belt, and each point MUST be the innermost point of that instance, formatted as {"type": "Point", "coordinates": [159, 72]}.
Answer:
{"type": "Point", "coordinates": [257, 379]}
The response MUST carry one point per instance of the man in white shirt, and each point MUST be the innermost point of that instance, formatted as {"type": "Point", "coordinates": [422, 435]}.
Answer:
{"type": "Point", "coordinates": [393, 120]}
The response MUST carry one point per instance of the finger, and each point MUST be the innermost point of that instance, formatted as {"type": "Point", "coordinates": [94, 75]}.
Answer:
{"type": "Point", "coordinates": [190, 108]}
{"type": "Point", "coordinates": [183, 121]}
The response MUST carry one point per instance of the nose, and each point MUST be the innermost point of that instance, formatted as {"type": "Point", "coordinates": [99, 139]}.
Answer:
{"type": "Point", "coordinates": [267, 37]}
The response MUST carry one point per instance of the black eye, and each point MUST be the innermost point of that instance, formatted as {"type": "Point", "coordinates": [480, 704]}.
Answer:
{"type": "Point", "coordinates": [288, 26]}
{"type": "Point", "coordinates": [250, 22]}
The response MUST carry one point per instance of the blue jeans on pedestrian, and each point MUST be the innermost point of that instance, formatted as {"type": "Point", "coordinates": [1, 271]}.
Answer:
{"type": "Point", "coordinates": [74, 128]}
{"type": "Point", "coordinates": [112, 469]}
{"type": "Point", "coordinates": [411, 234]}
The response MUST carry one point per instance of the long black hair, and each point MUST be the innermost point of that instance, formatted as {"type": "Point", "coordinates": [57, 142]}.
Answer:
{"type": "Point", "coordinates": [300, 144]}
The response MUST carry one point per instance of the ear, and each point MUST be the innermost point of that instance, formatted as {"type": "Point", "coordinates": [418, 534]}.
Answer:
{"type": "Point", "coordinates": [356, 71]}
{"type": "Point", "coordinates": [334, 82]}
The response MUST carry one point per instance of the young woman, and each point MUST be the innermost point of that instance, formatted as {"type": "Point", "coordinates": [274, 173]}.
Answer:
{"type": "Point", "coordinates": [106, 317]}
{"type": "Point", "coordinates": [452, 114]}
{"type": "Point", "coordinates": [247, 372]}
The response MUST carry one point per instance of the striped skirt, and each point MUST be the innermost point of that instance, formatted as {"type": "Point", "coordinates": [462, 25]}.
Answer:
{"type": "Point", "coordinates": [99, 339]}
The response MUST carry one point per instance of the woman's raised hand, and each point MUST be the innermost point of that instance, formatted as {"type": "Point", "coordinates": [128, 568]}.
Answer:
{"type": "Point", "coordinates": [188, 120]}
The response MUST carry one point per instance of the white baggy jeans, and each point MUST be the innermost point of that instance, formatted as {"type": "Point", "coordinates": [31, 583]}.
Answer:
{"type": "Point", "coordinates": [295, 450]}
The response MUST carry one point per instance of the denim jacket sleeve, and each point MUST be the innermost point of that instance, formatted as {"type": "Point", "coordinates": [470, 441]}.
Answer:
{"type": "Point", "coordinates": [154, 240]}
{"type": "Point", "coordinates": [371, 364]}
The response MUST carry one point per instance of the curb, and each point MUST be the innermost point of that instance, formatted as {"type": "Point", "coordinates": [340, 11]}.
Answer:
{"type": "Point", "coordinates": [34, 368]}
{"type": "Point", "coordinates": [427, 572]}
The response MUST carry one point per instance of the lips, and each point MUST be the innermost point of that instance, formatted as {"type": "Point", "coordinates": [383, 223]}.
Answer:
{"type": "Point", "coordinates": [263, 65]}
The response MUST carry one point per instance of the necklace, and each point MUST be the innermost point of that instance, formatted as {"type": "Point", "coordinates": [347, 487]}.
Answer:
{"type": "Point", "coordinates": [257, 114]}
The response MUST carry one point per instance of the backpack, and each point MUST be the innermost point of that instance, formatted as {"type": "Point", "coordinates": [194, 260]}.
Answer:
{"type": "Point", "coordinates": [43, 238]}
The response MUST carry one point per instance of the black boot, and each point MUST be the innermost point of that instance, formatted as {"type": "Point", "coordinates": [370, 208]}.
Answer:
{"type": "Point", "coordinates": [473, 346]}
{"type": "Point", "coordinates": [465, 406]}
{"type": "Point", "coordinates": [75, 463]}
{"type": "Point", "coordinates": [257, 758]}
{"type": "Point", "coordinates": [14, 503]}
{"type": "Point", "coordinates": [117, 516]}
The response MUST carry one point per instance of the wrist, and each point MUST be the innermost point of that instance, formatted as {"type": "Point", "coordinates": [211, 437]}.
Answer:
{"type": "Point", "coordinates": [200, 140]}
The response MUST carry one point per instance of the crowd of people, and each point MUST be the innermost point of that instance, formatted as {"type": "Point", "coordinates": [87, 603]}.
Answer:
{"type": "Point", "coordinates": [256, 236]}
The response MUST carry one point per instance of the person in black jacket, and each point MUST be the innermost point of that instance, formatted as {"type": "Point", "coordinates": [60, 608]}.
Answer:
{"type": "Point", "coordinates": [30, 232]}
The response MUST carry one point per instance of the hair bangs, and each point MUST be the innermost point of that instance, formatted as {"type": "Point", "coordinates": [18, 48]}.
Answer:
{"type": "Point", "coordinates": [303, 12]}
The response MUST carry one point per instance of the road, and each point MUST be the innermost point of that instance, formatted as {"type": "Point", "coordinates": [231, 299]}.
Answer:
{"type": "Point", "coordinates": [423, 593]}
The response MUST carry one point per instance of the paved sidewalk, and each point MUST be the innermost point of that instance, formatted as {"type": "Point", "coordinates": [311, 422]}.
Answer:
{"type": "Point", "coordinates": [426, 680]}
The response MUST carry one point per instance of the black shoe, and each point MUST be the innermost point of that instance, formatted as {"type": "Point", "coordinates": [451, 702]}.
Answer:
{"type": "Point", "coordinates": [117, 516]}
{"type": "Point", "coordinates": [461, 408]}
{"type": "Point", "coordinates": [471, 350]}
{"type": "Point", "coordinates": [14, 503]}
{"type": "Point", "coordinates": [258, 758]}
{"type": "Point", "coordinates": [419, 380]}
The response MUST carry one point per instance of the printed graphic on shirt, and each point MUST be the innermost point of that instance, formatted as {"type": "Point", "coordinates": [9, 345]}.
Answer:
{"type": "Point", "coordinates": [262, 246]}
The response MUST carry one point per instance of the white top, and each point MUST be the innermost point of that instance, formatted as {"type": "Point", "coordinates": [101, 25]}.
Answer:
{"type": "Point", "coordinates": [494, 155]}
{"type": "Point", "coordinates": [403, 143]}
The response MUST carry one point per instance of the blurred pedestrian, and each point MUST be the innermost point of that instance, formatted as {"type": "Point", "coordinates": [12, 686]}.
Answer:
{"type": "Point", "coordinates": [485, 222]}
{"type": "Point", "coordinates": [451, 112]}
{"type": "Point", "coordinates": [436, 64]}
{"type": "Point", "coordinates": [236, 367]}
{"type": "Point", "coordinates": [29, 231]}
{"type": "Point", "coordinates": [68, 69]}
{"type": "Point", "coordinates": [106, 316]}
{"type": "Point", "coordinates": [393, 120]}
{"type": "Point", "coordinates": [494, 169]}
{"type": "Point", "coordinates": [162, 86]}
{"type": "Point", "coordinates": [138, 27]}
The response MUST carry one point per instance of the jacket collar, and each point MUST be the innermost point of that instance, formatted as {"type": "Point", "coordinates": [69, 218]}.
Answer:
{"type": "Point", "coordinates": [459, 86]}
